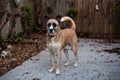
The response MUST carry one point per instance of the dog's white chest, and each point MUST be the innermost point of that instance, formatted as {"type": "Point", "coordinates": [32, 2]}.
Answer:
{"type": "Point", "coordinates": [52, 46]}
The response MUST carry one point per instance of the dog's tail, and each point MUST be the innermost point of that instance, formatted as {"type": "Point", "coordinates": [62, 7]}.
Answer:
{"type": "Point", "coordinates": [66, 18]}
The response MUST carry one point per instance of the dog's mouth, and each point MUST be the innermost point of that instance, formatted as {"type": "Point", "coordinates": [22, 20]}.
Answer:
{"type": "Point", "coordinates": [51, 35]}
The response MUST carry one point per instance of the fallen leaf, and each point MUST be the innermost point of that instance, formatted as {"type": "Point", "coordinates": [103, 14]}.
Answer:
{"type": "Point", "coordinates": [109, 61]}
{"type": "Point", "coordinates": [101, 55]}
{"type": "Point", "coordinates": [36, 79]}
{"type": "Point", "coordinates": [92, 50]}
{"type": "Point", "coordinates": [99, 50]}
{"type": "Point", "coordinates": [94, 62]}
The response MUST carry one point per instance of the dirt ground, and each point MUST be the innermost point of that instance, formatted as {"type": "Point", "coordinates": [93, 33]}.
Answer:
{"type": "Point", "coordinates": [22, 51]}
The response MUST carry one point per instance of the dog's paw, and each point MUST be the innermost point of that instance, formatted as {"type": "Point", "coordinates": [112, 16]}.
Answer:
{"type": "Point", "coordinates": [51, 70]}
{"type": "Point", "coordinates": [75, 64]}
{"type": "Point", "coordinates": [57, 71]}
{"type": "Point", "coordinates": [66, 64]}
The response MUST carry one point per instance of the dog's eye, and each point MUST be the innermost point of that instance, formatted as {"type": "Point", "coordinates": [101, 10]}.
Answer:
{"type": "Point", "coordinates": [54, 25]}
{"type": "Point", "coordinates": [49, 24]}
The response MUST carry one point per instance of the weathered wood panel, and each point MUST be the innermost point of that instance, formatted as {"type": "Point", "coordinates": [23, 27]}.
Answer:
{"type": "Point", "coordinates": [101, 21]}
{"type": "Point", "coordinates": [14, 24]}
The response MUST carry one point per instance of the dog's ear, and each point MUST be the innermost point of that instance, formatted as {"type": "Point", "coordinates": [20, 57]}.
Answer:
{"type": "Point", "coordinates": [46, 18]}
{"type": "Point", "coordinates": [58, 18]}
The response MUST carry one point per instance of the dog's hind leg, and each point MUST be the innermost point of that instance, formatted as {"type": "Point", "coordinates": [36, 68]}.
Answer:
{"type": "Point", "coordinates": [76, 55]}
{"type": "Point", "coordinates": [67, 57]}
{"type": "Point", "coordinates": [52, 61]}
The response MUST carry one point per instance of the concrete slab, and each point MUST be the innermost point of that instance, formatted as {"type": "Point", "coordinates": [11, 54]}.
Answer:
{"type": "Point", "coordinates": [94, 64]}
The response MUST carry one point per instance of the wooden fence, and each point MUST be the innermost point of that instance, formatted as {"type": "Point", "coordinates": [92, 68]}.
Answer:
{"type": "Point", "coordinates": [96, 17]}
{"type": "Point", "coordinates": [93, 16]}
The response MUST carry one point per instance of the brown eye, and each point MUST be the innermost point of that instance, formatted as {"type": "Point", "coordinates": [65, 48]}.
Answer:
{"type": "Point", "coordinates": [54, 25]}
{"type": "Point", "coordinates": [49, 24]}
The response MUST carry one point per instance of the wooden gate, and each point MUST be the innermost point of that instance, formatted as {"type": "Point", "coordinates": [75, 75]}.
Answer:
{"type": "Point", "coordinates": [96, 16]}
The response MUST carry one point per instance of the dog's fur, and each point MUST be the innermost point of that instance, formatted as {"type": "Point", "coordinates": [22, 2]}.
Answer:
{"type": "Point", "coordinates": [58, 39]}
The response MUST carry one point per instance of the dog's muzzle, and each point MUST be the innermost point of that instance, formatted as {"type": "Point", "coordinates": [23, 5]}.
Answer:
{"type": "Point", "coordinates": [51, 32]}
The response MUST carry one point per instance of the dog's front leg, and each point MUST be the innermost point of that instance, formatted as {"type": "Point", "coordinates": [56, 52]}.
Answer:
{"type": "Point", "coordinates": [58, 63]}
{"type": "Point", "coordinates": [67, 56]}
{"type": "Point", "coordinates": [52, 61]}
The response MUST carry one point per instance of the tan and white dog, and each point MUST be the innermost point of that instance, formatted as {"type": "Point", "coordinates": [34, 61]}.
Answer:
{"type": "Point", "coordinates": [58, 39]}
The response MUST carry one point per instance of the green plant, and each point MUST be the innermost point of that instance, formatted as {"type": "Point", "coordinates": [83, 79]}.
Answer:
{"type": "Point", "coordinates": [1, 37]}
{"type": "Point", "coordinates": [49, 10]}
{"type": "Point", "coordinates": [16, 38]}
{"type": "Point", "coordinates": [38, 30]}
{"type": "Point", "coordinates": [27, 15]}
{"type": "Point", "coordinates": [87, 34]}
{"type": "Point", "coordinates": [15, 5]}
{"type": "Point", "coordinates": [117, 8]}
{"type": "Point", "coordinates": [72, 12]}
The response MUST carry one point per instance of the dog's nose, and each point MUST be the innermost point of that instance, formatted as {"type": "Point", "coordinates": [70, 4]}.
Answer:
{"type": "Point", "coordinates": [51, 30]}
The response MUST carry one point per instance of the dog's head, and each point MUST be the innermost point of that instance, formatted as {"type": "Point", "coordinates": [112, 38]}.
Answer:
{"type": "Point", "coordinates": [53, 27]}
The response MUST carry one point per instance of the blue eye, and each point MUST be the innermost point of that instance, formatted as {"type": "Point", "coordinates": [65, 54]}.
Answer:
{"type": "Point", "coordinates": [49, 24]}
{"type": "Point", "coordinates": [54, 25]}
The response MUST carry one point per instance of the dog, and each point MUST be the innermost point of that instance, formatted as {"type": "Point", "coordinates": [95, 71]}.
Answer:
{"type": "Point", "coordinates": [58, 40]}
